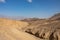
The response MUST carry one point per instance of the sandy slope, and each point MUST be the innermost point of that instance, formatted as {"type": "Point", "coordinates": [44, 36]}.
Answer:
{"type": "Point", "coordinates": [9, 30]}
{"type": "Point", "coordinates": [12, 23]}
{"type": "Point", "coordinates": [15, 34]}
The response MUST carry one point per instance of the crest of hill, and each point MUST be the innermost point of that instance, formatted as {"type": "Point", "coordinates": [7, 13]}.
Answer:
{"type": "Point", "coordinates": [12, 23]}
{"type": "Point", "coordinates": [32, 20]}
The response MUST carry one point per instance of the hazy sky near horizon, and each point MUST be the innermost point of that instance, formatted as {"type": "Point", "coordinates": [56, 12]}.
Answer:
{"type": "Point", "coordinates": [29, 8]}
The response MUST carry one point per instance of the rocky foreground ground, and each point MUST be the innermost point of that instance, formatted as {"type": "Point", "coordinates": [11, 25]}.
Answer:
{"type": "Point", "coordinates": [30, 29]}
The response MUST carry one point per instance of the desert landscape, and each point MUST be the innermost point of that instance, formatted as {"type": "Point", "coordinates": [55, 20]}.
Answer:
{"type": "Point", "coordinates": [29, 19]}
{"type": "Point", "coordinates": [30, 29]}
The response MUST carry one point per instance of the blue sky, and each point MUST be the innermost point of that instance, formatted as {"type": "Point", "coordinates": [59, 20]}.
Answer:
{"type": "Point", "coordinates": [29, 8]}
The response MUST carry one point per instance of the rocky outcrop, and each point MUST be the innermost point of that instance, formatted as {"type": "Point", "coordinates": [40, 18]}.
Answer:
{"type": "Point", "coordinates": [44, 29]}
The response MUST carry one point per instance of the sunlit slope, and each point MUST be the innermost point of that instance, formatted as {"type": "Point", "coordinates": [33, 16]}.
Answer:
{"type": "Point", "coordinates": [15, 34]}
{"type": "Point", "coordinates": [12, 23]}
{"type": "Point", "coordinates": [9, 30]}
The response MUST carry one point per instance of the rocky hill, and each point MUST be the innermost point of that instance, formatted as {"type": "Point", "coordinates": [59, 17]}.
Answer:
{"type": "Point", "coordinates": [48, 29]}
{"type": "Point", "coordinates": [56, 17]}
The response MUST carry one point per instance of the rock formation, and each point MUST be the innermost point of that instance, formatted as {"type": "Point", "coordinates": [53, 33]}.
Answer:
{"type": "Point", "coordinates": [45, 29]}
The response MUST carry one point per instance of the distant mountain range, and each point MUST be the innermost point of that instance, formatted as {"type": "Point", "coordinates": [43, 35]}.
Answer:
{"type": "Point", "coordinates": [12, 17]}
